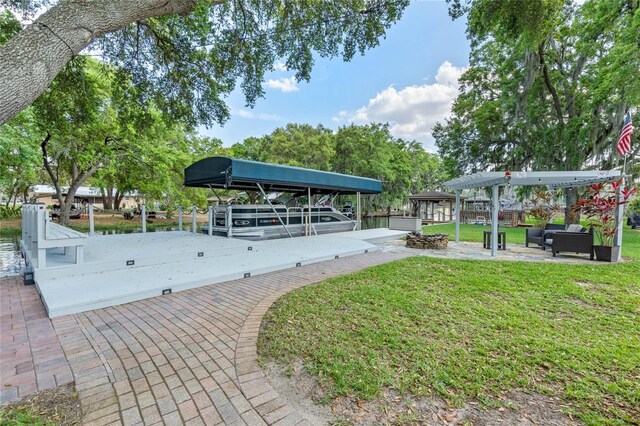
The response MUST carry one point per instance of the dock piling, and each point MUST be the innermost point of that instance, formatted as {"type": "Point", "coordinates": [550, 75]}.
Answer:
{"type": "Point", "coordinates": [91, 224]}
{"type": "Point", "coordinates": [143, 218]}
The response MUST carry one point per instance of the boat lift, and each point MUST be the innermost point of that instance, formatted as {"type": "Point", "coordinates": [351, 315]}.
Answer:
{"type": "Point", "coordinates": [238, 174]}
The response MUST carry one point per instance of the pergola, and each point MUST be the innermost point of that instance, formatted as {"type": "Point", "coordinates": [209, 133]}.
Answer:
{"type": "Point", "coordinates": [431, 199]}
{"type": "Point", "coordinates": [551, 180]}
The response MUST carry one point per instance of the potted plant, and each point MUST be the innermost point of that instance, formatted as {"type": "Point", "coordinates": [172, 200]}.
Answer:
{"type": "Point", "coordinates": [600, 208]}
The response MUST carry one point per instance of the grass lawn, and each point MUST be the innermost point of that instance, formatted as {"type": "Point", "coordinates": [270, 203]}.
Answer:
{"type": "Point", "coordinates": [473, 330]}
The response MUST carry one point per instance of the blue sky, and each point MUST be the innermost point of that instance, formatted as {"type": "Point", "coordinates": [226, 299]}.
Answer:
{"type": "Point", "coordinates": [409, 80]}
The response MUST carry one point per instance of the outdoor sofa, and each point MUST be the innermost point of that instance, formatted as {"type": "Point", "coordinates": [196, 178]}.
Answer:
{"type": "Point", "coordinates": [570, 242]}
{"type": "Point", "coordinates": [536, 235]}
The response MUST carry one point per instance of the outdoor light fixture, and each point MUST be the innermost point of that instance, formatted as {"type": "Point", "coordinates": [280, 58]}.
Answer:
{"type": "Point", "coordinates": [131, 262]}
{"type": "Point", "coordinates": [298, 264]}
{"type": "Point", "coordinates": [200, 254]}
{"type": "Point", "coordinates": [247, 274]}
{"type": "Point", "coordinates": [250, 248]}
{"type": "Point", "coordinates": [28, 277]}
{"type": "Point", "coordinates": [166, 291]}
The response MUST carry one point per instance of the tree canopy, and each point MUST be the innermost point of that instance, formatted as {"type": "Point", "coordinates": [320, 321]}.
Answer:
{"type": "Point", "coordinates": [547, 87]}
{"type": "Point", "coordinates": [184, 55]}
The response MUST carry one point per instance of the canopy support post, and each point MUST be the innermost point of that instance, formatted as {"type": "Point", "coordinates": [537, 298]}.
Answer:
{"type": "Point", "coordinates": [179, 218]}
{"type": "Point", "coordinates": [457, 215]}
{"type": "Point", "coordinates": [193, 219]}
{"type": "Point", "coordinates": [309, 212]}
{"type": "Point", "coordinates": [358, 211]}
{"type": "Point", "coordinates": [210, 229]}
{"type": "Point", "coordinates": [215, 193]}
{"type": "Point", "coordinates": [494, 220]}
{"type": "Point", "coordinates": [274, 209]}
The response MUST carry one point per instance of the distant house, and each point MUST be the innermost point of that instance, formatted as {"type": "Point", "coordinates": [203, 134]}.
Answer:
{"type": "Point", "coordinates": [85, 195]}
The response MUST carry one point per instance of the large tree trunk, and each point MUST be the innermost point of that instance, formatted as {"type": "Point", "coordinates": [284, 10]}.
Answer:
{"type": "Point", "coordinates": [107, 197]}
{"type": "Point", "coordinates": [571, 197]}
{"type": "Point", "coordinates": [34, 56]}
{"type": "Point", "coordinates": [117, 200]}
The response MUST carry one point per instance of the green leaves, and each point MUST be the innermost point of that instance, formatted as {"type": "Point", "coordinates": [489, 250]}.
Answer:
{"type": "Point", "coordinates": [188, 64]}
{"type": "Point", "coordinates": [547, 86]}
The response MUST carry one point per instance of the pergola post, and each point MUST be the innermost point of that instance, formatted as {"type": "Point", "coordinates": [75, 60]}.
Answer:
{"type": "Point", "coordinates": [617, 239]}
{"type": "Point", "coordinates": [494, 220]}
{"type": "Point", "coordinates": [457, 215]}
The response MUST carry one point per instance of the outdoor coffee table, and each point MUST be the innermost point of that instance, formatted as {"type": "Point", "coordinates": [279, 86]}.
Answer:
{"type": "Point", "coordinates": [502, 240]}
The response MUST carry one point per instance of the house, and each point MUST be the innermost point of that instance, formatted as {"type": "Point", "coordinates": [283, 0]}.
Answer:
{"type": "Point", "coordinates": [85, 195]}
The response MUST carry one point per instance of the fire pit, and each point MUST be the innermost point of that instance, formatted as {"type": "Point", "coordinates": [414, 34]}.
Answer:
{"type": "Point", "coordinates": [430, 242]}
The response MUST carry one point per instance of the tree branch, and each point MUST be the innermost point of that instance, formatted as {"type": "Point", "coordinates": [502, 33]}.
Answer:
{"type": "Point", "coordinates": [34, 56]}
{"type": "Point", "coordinates": [547, 81]}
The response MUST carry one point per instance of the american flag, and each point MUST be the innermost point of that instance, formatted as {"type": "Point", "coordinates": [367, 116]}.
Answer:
{"type": "Point", "coordinates": [624, 143]}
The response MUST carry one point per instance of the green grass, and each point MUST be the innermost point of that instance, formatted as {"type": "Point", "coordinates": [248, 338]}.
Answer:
{"type": "Point", "coordinates": [467, 330]}
{"type": "Point", "coordinates": [22, 416]}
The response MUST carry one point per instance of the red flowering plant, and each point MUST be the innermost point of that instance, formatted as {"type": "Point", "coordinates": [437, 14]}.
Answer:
{"type": "Point", "coordinates": [543, 208]}
{"type": "Point", "coordinates": [600, 208]}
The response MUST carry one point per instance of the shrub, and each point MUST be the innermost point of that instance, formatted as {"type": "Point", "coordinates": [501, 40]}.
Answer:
{"type": "Point", "coordinates": [10, 212]}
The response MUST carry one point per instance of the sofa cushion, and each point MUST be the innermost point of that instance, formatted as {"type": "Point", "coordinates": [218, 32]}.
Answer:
{"type": "Point", "coordinates": [575, 228]}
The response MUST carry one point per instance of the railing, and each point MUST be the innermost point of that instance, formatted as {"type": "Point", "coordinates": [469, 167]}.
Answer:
{"type": "Point", "coordinates": [510, 218]}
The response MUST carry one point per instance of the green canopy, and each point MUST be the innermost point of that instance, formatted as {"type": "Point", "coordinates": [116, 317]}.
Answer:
{"type": "Point", "coordinates": [233, 173]}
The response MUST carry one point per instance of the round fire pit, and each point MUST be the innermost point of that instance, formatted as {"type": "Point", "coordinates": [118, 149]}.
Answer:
{"type": "Point", "coordinates": [428, 242]}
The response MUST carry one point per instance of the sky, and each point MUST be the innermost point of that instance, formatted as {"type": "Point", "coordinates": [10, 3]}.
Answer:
{"type": "Point", "coordinates": [408, 81]}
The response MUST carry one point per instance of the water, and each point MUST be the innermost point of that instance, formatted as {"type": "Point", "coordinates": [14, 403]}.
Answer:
{"type": "Point", "coordinates": [11, 262]}
{"type": "Point", "coordinates": [375, 222]}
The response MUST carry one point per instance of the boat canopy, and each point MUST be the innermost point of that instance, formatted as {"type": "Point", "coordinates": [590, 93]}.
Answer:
{"type": "Point", "coordinates": [233, 173]}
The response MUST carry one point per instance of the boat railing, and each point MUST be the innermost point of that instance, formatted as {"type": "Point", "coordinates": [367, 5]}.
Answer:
{"type": "Point", "coordinates": [295, 209]}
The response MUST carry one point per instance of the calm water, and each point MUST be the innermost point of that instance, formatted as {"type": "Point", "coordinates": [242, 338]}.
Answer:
{"type": "Point", "coordinates": [12, 263]}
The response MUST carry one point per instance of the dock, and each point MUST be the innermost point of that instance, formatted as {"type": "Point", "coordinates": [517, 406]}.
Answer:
{"type": "Point", "coordinates": [123, 268]}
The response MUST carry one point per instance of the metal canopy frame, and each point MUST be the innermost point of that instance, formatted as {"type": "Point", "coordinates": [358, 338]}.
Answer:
{"type": "Point", "coordinates": [233, 173]}
{"type": "Point", "coordinates": [550, 179]}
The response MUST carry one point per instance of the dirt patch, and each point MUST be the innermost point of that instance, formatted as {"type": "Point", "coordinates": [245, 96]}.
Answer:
{"type": "Point", "coordinates": [304, 393]}
{"type": "Point", "coordinates": [58, 405]}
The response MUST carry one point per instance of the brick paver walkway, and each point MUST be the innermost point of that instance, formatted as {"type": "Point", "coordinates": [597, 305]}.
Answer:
{"type": "Point", "coordinates": [31, 358]}
{"type": "Point", "coordinates": [184, 358]}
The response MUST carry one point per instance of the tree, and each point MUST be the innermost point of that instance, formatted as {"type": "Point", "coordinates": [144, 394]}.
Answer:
{"type": "Point", "coordinates": [300, 145]}
{"type": "Point", "coordinates": [19, 156]}
{"type": "Point", "coordinates": [187, 55]}
{"type": "Point", "coordinates": [547, 93]}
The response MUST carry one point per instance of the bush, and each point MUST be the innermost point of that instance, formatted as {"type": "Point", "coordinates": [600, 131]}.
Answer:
{"type": "Point", "coordinates": [10, 212]}
{"type": "Point", "coordinates": [634, 206]}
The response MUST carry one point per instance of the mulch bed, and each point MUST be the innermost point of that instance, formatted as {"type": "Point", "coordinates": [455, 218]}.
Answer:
{"type": "Point", "coordinates": [428, 242]}
{"type": "Point", "coordinates": [54, 406]}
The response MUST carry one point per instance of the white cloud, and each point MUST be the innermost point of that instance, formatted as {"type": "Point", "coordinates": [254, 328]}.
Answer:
{"type": "Point", "coordinates": [285, 84]}
{"type": "Point", "coordinates": [253, 116]}
{"type": "Point", "coordinates": [280, 66]}
{"type": "Point", "coordinates": [413, 110]}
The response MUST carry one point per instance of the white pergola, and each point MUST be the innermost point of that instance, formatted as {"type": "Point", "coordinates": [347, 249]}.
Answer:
{"type": "Point", "coordinates": [552, 180]}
